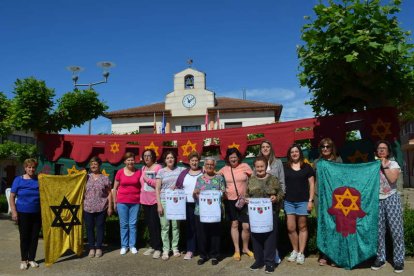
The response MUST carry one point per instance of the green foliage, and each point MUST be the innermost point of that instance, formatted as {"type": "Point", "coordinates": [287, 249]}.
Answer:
{"type": "Point", "coordinates": [78, 106]}
{"type": "Point", "coordinates": [356, 56]}
{"type": "Point", "coordinates": [409, 231]}
{"type": "Point", "coordinates": [32, 108]}
{"type": "Point", "coordinates": [4, 115]}
{"type": "Point", "coordinates": [3, 204]}
{"type": "Point", "coordinates": [31, 105]}
{"type": "Point", "coordinates": [13, 150]}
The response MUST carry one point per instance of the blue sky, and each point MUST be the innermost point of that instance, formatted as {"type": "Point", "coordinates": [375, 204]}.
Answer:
{"type": "Point", "coordinates": [239, 44]}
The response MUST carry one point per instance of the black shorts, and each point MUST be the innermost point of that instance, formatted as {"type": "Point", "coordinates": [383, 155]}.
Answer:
{"type": "Point", "coordinates": [233, 213]}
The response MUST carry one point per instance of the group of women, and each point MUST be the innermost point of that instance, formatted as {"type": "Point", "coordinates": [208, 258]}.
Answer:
{"type": "Point", "coordinates": [291, 187]}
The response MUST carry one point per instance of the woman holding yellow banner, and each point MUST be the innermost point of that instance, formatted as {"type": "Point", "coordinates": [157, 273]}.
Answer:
{"type": "Point", "coordinates": [26, 212]}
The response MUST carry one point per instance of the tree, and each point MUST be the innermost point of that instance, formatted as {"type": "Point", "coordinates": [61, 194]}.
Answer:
{"type": "Point", "coordinates": [356, 57]}
{"type": "Point", "coordinates": [32, 108]}
{"type": "Point", "coordinates": [4, 114]}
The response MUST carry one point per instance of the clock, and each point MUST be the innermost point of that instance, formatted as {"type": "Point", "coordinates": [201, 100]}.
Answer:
{"type": "Point", "coordinates": [189, 101]}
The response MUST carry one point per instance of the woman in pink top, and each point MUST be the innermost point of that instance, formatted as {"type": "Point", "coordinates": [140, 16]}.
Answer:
{"type": "Point", "coordinates": [149, 202]}
{"type": "Point", "coordinates": [126, 202]}
{"type": "Point", "coordinates": [237, 175]}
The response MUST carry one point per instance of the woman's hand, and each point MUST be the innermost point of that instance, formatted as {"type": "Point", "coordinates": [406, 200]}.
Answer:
{"type": "Point", "coordinates": [385, 162]}
{"type": "Point", "coordinates": [273, 198]}
{"type": "Point", "coordinates": [173, 187]}
{"type": "Point", "coordinates": [196, 193]}
{"type": "Point", "coordinates": [14, 216]}
{"type": "Point", "coordinates": [109, 211]}
{"type": "Point", "coordinates": [310, 206]}
{"type": "Point", "coordinates": [246, 200]}
{"type": "Point", "coordinates": [160, 210]}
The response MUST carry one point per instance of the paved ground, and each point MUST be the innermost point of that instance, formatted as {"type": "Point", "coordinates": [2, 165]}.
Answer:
{"type": "Point", "coordinates": [114, 264]}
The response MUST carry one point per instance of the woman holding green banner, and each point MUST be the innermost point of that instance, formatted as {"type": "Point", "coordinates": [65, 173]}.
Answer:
{"type": "Point", "coordinates": [327, 151]}
{"type": "Point", "coordinates": [390, 211]}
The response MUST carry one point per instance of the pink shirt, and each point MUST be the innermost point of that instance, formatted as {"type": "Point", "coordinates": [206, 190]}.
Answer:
{"type": "Point", "coordinates": [241, 174]}
{"type": "Point", "coordinates": [148, 196]}
{"type": "Point", "coordinates": [129, 187]}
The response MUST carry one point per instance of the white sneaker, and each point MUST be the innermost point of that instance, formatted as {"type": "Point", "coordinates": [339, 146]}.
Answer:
{"type": "Point", "coordinates": [300, 259]}
{"type": "Point", "coordinates": [165, 255]}
{"type": "Point", "coordinates": [292, 257]}
{"type": "Point", "coordinates": [123, 251]}
{"type": "Point", "coordinates": [176, 253]}
{"type": "Point", "coordinates": [149, 251]}
{"type": "Point", "coordinates": [134, 250]}
{"type": "Point", "coordinates": [33, 264]}
{"type": "Point", "coordinates": [156, 255]}
{"type": "Point", "coordinates": [23, 266]}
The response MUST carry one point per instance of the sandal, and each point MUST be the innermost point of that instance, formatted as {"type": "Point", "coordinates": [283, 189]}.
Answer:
{"type": "Point", "coordinates": [249, 253]}
{"type": "Point", "coordinates": [236, 256]}
{"type": "Point", "coordinates": [322, 262]}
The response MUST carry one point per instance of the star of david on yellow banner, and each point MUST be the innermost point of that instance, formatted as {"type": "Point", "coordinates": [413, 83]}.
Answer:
{"type": "Point", "coordinates": [153, 147]}
{"type": "Point", "coordinates": [358, 155]}
{"type": "Point", "coordinates": [381, 129]}
{"type": "Point", "coordinates": [234, 145]}
{"type": "Point", "coordinates": [186, 147]}
{"type": "Point", "coordinates": [114, 147]}
{"type": "Point", "coordinates": [73, 170]}
{"type": "Point", "coordinates": [340, 202]}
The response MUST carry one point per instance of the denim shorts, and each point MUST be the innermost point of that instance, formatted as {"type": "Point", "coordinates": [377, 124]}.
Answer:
{"type": "Point", "coordinates": [296, 208]}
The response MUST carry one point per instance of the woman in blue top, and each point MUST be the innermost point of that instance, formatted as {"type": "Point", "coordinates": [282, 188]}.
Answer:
{"type": "Point", "coordinates": [26, 212]}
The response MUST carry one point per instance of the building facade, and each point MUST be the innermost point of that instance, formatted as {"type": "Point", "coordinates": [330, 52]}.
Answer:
{"type": "Point", "coordinates": [192, 107]}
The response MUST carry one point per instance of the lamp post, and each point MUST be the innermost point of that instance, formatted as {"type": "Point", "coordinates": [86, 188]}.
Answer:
{"type": "Point", "coordinates": [105, 65]}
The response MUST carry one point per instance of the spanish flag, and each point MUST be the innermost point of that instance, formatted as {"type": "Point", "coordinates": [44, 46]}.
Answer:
{"type": "Point", "coordinates": [61, 200]}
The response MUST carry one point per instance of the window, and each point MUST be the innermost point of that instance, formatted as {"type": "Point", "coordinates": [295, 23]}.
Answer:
{"type": "Point", "coordinates": [190, 128]}
{"type": "Point", "coordinates": [146, 129]}
{"type": "Point", "coordinates": [189, 82]}
{"type": "Point", "coordinates": [233, 125]}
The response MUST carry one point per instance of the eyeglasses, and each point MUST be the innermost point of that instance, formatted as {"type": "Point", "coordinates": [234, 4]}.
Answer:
{"type": "Point", "coordinates": [382, 148]}
{"type": "Point", "coordinates": [145, 156]}
{"type": "Point", "coordinates": [209, 165]}
{"type": "Point", "coordinates": [325, 147]}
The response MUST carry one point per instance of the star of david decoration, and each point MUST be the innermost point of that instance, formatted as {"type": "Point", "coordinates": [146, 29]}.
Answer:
{"type": "Point", "coordinates": [153, 147]}
{"type": "Point", "coordinates": [114, 147]}
{"type": "Point", "coordinates": [234, 145]}
{"type": "Point", "coordinates": [104, 172]}
{"type": "Point", "coordinates": [188, 148]}
{"type": "Point", "coordinates": [358, 156]}
{"type": "Point", "coordinates": [73, 170]}
{"type": "Point", "coordinates": [346, 207]}
{"type": "Point", "coordinates": [340, 202]}
{"type": "Point", "coordinates": [62, 222]}
{"type": "Point", "coordinates": [381, 129]}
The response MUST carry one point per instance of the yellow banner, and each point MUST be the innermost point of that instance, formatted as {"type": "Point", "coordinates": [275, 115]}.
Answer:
{"type": "Point", "coordinates": [61, 201]}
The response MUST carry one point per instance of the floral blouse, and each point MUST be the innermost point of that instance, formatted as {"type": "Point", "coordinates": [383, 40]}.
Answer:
{"type": "Point", "coordinates": [96, 194]}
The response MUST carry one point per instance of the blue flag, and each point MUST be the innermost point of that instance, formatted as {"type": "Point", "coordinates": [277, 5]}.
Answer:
{"type": "Point", "coordinates": [348, 196]}
{"type": "Point", "coordinates": [163, 123]}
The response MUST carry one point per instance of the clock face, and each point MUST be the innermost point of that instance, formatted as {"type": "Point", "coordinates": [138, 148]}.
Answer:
{"type": "Point", "coordinates": [189, 101]}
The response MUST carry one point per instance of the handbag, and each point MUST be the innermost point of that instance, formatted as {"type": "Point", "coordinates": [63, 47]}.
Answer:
{"type": "Point", "coordinates": [241, 201]}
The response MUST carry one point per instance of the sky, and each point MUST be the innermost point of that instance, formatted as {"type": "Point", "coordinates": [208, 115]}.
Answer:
{"type": "Point", "coordinates": [239, 44]}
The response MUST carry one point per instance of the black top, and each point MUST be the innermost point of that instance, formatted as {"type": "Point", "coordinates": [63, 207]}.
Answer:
{"type": "Point", "coordinates": [297, 184]}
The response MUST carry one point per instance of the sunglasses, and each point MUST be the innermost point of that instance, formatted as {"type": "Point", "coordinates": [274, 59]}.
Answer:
{"type": "Point", "coordinates": [325, 147]}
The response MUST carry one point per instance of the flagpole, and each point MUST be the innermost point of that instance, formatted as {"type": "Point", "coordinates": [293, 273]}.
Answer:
{"type": "Point", "coordinates": [163, 123]}
{"type": "Point", "coordinates": [218, 119]}
{"type": "Point", "coordinates": [155, 125]}
{"type": "Point", "coordinates": [206, 120]}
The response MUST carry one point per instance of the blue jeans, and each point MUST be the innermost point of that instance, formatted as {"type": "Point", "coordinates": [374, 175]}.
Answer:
{"type": "Point", "coordinates": [128, 216]}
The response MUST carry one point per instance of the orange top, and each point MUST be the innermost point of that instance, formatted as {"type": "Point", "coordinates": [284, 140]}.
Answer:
{"type": "Point", "coordinates": [241, 174]}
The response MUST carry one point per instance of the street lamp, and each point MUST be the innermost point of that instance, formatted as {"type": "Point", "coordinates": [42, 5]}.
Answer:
{"type": "Point", "coordinates": [105, 65]}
